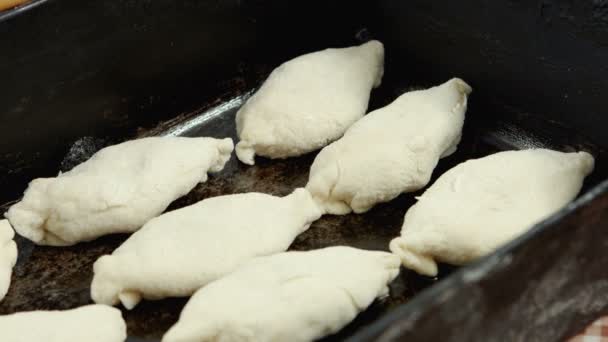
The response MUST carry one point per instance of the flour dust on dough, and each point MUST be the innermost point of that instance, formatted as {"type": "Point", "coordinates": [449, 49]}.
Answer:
{"type": "Point", "coordinates": [117, 190]}
{"type": "Point", "coordinates": [481, 204]}
{"type": "Point", "coordinates": [292, 296]}
{"type": "Point", "coordinates": [391, 150]}
{"type": "Point", "coordinates": [176, 253]}
{"type": "Point", "coordinates": [309, 102]}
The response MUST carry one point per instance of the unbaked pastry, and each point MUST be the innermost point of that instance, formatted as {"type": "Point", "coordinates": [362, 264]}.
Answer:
{"type": "Point", "coordinates": [91, 323]}
{"type": "Point", "coordinates": [481, 204]}
{"type": "Point", "coordinates": [176, 253]}
{"type": "Point", "coordinates": [391, 150]}
{"type": "Point", "coordinates": [117, 190]}
{"type": "Point", "coordinates": [8, 257]}
{"type": "Point", "coordinates": [309, 102]}
{"type": "Point", "coordinates": [293, 296]}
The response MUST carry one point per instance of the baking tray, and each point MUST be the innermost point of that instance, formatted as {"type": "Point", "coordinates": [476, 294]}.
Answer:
{"type": "Point", "coordinates": [75, 83]}
{"type": "Point", "coordinates": [53, 278]}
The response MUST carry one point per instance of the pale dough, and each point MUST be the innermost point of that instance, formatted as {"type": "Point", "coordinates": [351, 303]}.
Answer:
{"type": "Point", "coordinates": [293, 296]}
{"type": "Point", "coordinates": [91, 323]}
{"type": "Point", "coordinates": [309, 102]}
{"type": "Point", "coordinates": [8, 257]}
{"type": "Point", "coordinates": [117, 190]}
{"type": "Point", "coordinates": [175, 254]}
{"type": "Point", "coordinates": [391, 150]}
{"type": "Point", "coordinates": [481, 204]}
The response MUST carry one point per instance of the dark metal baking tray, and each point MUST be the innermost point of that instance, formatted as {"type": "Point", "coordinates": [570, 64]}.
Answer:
{"type": "Point", "coordinates": [79, 76]}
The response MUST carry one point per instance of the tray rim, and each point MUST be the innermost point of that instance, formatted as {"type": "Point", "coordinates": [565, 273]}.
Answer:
{"type": "Point", "coordinates": [387, 327]}
{"type": "Point", "coordinates": [19, 9]}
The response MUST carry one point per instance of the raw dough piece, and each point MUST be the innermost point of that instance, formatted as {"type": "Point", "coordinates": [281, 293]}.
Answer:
{"type": "Point", "coordinates": [481, 204]}
{"type": "Point", "coordinates": [91, 323]}
{"type": "Point", "coordinates": [177, 253]}
{"type": "Point", "coordinates": [116, 191]}
{"type": "Point", "coordinates": [293, 296]}
{"type": "Point", "coordinates": [391, 150]}
{"type": "Point", "coordinates": [8, 257]}
{"type": "Point", "coordinates": [309, 102]}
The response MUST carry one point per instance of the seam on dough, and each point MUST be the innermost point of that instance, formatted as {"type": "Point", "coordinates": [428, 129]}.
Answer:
{"type": "Point", "coordinates": [352, 299]}
{"type": "Point", "coordinates": [333, 187]}
{"type": "Point", "coordinates": [129, 298]}
{"type": "Point", "coordinates": [297, 278]}
{"type": "Point", "coordinates": [50, 237]}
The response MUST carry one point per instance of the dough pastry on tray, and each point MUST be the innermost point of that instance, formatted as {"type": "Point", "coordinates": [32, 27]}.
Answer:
{"type": "Point", "coordinates": [391, 150]}
{"type": "Point", "coordinates": [90, 323]}
{"type": "Point", "coordinates": [178, 252]}
{"type": "Point", "coordinates": [309, 102]}
{"type": "Point", "coordinates": [481, 204]}
{"type": "Point", "coordinates": [292, 296]}
{"type": "Point", "coordinates": [8, 257]}
{"type": "Point", "coordinates": [117, 190]}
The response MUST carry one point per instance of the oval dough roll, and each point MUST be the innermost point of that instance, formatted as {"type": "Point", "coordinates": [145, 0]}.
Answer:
{"type": "Point", "coordinates": [391, 150]}
{"type": "Point", "coordinates": [293, 296]}
{"type": "Point", "coordinates": [117, 190]}
{"type": "Point", "coordinates": [8, 257]}
{"type": "Point", "coordinates": [176, 253]}
{"type": "Point", "coordinates": [309, 102]}
{"type": "Point", "coordinates": [481, 204]}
